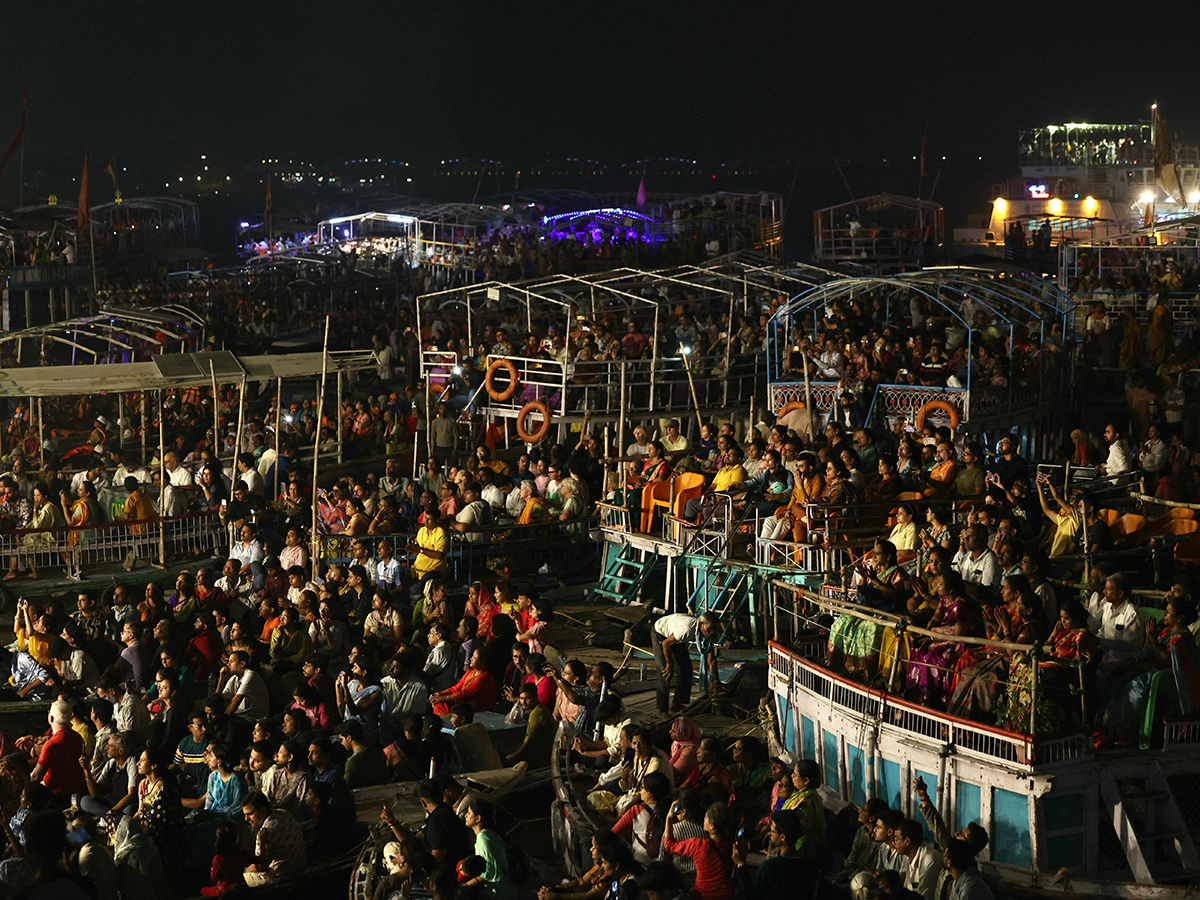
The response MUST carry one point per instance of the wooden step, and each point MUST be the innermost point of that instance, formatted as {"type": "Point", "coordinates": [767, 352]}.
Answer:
{"type": "Point", "coordinates": [1164, 835]}
{"type": "Point", "coordinates": [1143, 794]}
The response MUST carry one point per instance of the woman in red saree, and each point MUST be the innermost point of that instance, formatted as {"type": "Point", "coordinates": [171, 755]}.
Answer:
{"type": "Point", "coordinates": [477, 688]}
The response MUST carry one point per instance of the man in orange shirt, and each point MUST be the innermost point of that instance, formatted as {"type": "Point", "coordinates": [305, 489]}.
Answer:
{"type": "Point", "coordinates": [939, 482]}
{"type": "Point", "coordinates": [808, 489]}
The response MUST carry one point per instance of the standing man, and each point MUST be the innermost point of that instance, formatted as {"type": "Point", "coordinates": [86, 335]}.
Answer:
{"type": "Point", "coordinates": [669, 638]}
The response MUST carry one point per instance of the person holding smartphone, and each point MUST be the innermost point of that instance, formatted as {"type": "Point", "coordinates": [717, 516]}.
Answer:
{"type": "Point", "coordinates": [785, 871]}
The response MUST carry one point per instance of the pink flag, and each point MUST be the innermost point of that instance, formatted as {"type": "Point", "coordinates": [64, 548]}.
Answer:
{"type": "Point", "coordinates": [641, 198]}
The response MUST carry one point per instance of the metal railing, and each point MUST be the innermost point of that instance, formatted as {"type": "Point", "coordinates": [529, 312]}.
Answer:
{"type": "Point", "coordinates": [110, 542]}
{"type": "Point", "coordinates": [655, 385]}
{"type": "Point", "coordinates": [891, 712]}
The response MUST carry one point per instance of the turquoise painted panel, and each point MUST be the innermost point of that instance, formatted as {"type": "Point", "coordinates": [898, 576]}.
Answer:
{"type": "Point", "coordinates": [808, 738]}
{"type": "Point", "coordinates": [891, 787]}
{"type": "Point", "coordinates": [1061, 814]}
{"type": "Point", "coordinates": [856, 774]}
{"type": "Point", "coordinates": [830, 746]}
{"type": "Point", "coordinates": [966, 810]}
{"type": "Point", "coordinates": [931, 785]}
{"type": "Point", "coordinates": [1064, 850]}
{"type": "Point", "coordinates": [1010, 828]}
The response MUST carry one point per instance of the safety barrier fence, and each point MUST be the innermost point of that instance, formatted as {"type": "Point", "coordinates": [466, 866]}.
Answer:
{"type": "Point", "coordinates": [110, 542]}
{"type": "Point", "coordinates": [469, 552]}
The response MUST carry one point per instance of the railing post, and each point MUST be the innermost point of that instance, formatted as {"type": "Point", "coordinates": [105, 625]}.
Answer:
{"type": "Point", "coordinates": [1033, 685]}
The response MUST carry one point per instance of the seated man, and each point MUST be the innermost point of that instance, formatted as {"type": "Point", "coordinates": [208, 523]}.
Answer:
{"type": "Point", "coordinates": [768, 489]}
{"type": "Point", "coordinates": [728, 475]}
{"type": "Point", "coordinates": [472, 741]}
{"type": "Point", "coordinates": [940, 481]}
{"type": "Point", "coordinates": [539, 732]}
{"type": "Point", "coordinates": [279, 852]}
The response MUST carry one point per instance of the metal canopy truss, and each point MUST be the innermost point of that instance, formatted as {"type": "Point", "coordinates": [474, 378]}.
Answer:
{"type": "Point", "coordinates": [1012, 300]}
{"type": "Point", "coordinates": [181, 371]}
{"type": "Point", "coordinates": [114, 327]}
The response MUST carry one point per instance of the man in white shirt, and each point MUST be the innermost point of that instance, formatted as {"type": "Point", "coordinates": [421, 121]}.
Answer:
{"type": "Point", "coordinates": [439, 664]}
{"type": "Point", "coordinates": [177, 495]}
{"type": "Point", "coordinates": [387, 569]}
{"type": "Point", "coordinates": [405, 694]}
{"type": "Point", "coordinates": [243, 688]}
{"type": "Point", "coordinates": [638, 450]}
{"type": "Point", "coordinates": [921, 860]}
{"type": "Point", "coordinates": [1153, 454]}
{"type": "Point", "coordinates": [1119, 460]}
{"type": "Point", "coordinates": [831, 365]}
{"type": "Point", "coordinates": [1116, 621]}
{"type": "Point", "coordinates": [976, 563]}
{"type": "Point", "coordinates": [392, 482]}
{"type": "Point", "coordinates": [234, 586]}
{"type": "Point", "coordinates": [249, 474]}
{"type": "Point", "coordinates": [669, 639]}
{"type": "Point", "coordinates": [476, 514]}
{"type": "Point", "coordinates": [492, 495]}
{"type": "Point", "coordinates": [249, 553]}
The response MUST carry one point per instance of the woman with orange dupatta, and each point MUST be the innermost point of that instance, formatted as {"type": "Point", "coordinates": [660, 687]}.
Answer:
{"type": "Point", "coordinates": [476, 688]}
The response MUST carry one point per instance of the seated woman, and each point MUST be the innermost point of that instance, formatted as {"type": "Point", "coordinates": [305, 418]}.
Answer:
{"type": "Point", "coordinates": [904, 533]}
{"type": "Point", "coordinates": [1169, 647]}
{"type": "Point", "coordinates": [981, 673]}
{"type": "Point", "coordinates": [931, 663]}
{"type": "Point", "coordinates": [1069, 646]}
{"type": "Point", "coordinates": [709, 776]}
{"type": "Point", "coordinates": [853, 641]}
{"type": "Point", "coordinates": [655, 468]}
{"type": "Point", "coordinates": [476, 688]}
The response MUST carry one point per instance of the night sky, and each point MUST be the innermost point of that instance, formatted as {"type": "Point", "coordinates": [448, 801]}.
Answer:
{"type": "Point", "coordinates": [152, 84]}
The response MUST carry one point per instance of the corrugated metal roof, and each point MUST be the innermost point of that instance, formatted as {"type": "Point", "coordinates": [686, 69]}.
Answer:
{"type": "Point", "coordinates": [192, 369]}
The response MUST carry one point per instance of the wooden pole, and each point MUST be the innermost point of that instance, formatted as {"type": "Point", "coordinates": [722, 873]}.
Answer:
{"type": "Point", "coordinates": [162, 484]}
{"type": "Point", "coordinates": [812, 416]}
{"type": "Point", "coordinates": [620, 416]}
{"type": "Point", "coordinates": [278, 417]}
{"type": "Point", "coordinates": [217, 418]}
{"type": "Point", "coordinates": [316, 540]}
{"type": "Point", "coordinates": [120, 420]}
{"type": "Point", "coordinates": [237, 441]}
{"type": "Point", "coordinates": [692, 387]}
{"type": "Point", "coordinates": [145, 425]}
{"type": "Point", "coordinates": [341, 425]}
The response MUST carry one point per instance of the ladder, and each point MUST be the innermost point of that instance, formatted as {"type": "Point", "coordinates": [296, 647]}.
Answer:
{"type": "Point", "coordinates": [624, 574]}
{"type": "Point", "coordinates": [1148, 822]}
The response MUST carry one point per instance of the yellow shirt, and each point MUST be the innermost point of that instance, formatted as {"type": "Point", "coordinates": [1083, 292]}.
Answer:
{"type": "Point", "coordinates": [138, 507]}
{"type": "Point", "coordinates": [436, 539]}
{"type": "Point", "coordinates": [1065, 531]}
{"type": "Point", "coordinates": [728, 475]}
{"type": "Point", "coordinates": [84, 730]}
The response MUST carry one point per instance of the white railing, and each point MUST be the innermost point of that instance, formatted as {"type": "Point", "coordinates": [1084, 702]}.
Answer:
{"type": "Point", "coordinates": [971, 738]}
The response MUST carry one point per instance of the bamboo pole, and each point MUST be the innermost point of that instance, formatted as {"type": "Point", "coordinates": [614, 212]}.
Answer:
{"type": "Point", "coordinates": [620, 416]}
{"type": "Point", "coordinates": [278, 417]}
{"type": "Point", "coordinates": [120, 420]}
{"type": "Point", "coordinates": [683, 351]}
{"type": "Point", "coordinates": [316, 540]}
{"type": "Point", "coordinates": [162, 484]}
{"type": "Point", "coordinates": [812, 419]}
{"type": "Point", "coordinates": [217, 418]}
{"type": "Point", "coordinates": [237, 440]}
{"type": "Point", "coordinates": [145, 425]}
{"type": "Point", "coordinates": [341, 425]}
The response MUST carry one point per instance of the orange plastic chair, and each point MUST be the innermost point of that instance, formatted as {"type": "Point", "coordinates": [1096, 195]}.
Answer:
{"type": "Point", "coordinates": [686, 485]}
{"type": "Point", "coordinates": [908, 496]}
{"type": "Point", "coordinates": [1179, 512]}
{"type": "Point", "coordinates": [1108, 516]}
{"type": "Point", "coordinates": [1127, 526]}
{"type": "Point", "coordinates": [1167, 527]}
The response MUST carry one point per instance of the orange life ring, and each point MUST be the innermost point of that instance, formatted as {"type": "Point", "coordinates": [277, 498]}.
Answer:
{"type": "Point", "coordinates": [508, 366]}
{"type": "Point", "coordinates": [788, 407]}
{"type": "Point", "coordinates": [942, 405]}
{"type": "Point", "coordinates": [531, 407]}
